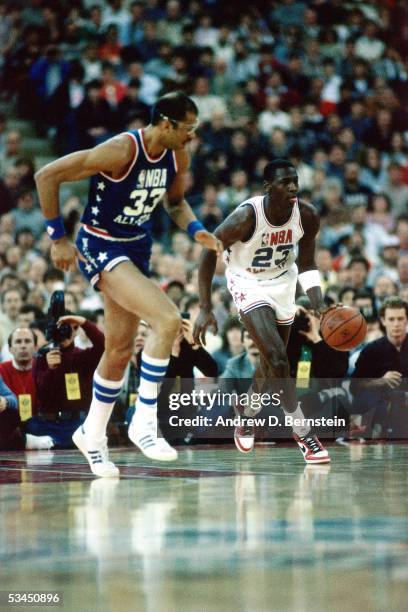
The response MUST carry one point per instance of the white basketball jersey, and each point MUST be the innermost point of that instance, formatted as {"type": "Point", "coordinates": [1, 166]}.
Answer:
{"type": "Point", "coordinates": [271, 250]}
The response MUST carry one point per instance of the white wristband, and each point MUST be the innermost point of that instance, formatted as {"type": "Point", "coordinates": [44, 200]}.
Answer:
{"type": "Point", "coordinates": [309, 279]}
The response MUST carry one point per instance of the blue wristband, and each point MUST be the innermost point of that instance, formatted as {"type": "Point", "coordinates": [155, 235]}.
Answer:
{"type": "Point", "coordinates": [55, 228]}
{"type": "Point", "coordinates": [195, 226]}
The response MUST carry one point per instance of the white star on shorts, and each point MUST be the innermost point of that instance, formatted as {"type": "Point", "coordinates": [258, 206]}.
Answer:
{"type": "Point", "coordinates": [101, 186]}
{"type": "Point", "coordinates": [85, 242]}
{"type": "Point", "coordinates": [98, 198]}
{"type": "Point", "coordinates": [95, 210]}
{"type": "Point", "coordinates": [102, 257]}
{"type": "Point", "coordinates": [88, 267]}
{"type": "Point", "coordinates": [95, 222]}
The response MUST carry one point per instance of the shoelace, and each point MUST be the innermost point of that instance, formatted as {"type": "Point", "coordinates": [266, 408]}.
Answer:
{"type": "Point", "coordinates": [245, 431]}
{"type": "Point", "coordinates": [311, 442]}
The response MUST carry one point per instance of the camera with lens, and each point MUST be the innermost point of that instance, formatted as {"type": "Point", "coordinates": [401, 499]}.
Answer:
{"type": "Point", "coordinates": [56, 334]}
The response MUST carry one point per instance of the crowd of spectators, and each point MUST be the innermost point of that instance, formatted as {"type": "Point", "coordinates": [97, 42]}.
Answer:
{"type": "Point", "coordinates": [324, 83]}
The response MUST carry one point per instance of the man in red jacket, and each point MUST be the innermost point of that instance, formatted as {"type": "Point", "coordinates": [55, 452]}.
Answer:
{"type": "Point", "coordinates": [63, 378]}
{"type": "Point", "coordinates": [17, 373]}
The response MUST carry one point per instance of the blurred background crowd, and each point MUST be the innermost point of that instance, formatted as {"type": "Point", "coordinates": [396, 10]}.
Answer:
{"type": "Point", "coordinates": [324, 83]}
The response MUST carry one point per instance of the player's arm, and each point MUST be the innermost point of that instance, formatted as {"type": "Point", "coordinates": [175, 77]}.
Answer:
{"type": "Point", "coordinates": [309, 277]}
{"type": "Point", "coordinates": [238, 226]}
{"type": "Point", "coordinates": [180, 211]}
{"type": "Point", "coordinates": [112, 156]}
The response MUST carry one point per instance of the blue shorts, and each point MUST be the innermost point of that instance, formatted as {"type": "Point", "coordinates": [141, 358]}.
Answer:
{"type": "Point", "coordinates": [103, 254]}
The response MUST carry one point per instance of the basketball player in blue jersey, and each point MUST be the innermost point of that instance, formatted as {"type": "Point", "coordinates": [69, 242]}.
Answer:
{"type": "Point", "coordinates": [131, 174]}
{"type": "Point", "coordinates": [260, 238]}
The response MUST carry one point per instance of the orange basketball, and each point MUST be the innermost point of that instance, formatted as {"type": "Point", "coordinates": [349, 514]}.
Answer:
{"type": "Point", "coordinates": [343, 328]}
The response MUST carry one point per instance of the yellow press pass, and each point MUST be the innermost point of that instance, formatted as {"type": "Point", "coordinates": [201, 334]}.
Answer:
{"type": "Point", "coordinates": [25, 406]}
{"type": "Point", "coordinates": [72, 386]}
{"type": "Point", "coordinates": [303, 374]}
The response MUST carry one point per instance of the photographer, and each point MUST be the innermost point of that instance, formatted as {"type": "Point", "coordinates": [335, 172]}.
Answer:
{"type": "Point", "coordinates": [317, 368]}
{"type": "Point", "coordinates": [63, 375]}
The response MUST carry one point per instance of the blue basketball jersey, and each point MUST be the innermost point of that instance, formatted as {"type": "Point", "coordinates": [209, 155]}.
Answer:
{"type": "Point", "coordinates": [122, 208]}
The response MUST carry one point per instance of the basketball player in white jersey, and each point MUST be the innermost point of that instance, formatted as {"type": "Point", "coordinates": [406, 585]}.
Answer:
{"type": "Point", "coordinates": [261, 238]}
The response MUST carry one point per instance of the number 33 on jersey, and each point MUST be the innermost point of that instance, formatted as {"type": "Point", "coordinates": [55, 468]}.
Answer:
{"type": "Point", "coordinates": [122, 208]}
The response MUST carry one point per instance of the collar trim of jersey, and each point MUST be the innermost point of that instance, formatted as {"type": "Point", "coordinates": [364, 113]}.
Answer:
{"type": "Point", "coordinates": [132, 163]}
{"type": "Point", "coordinates": [287, 222]}
{"type": "Point", "coordinates": [152, 160]}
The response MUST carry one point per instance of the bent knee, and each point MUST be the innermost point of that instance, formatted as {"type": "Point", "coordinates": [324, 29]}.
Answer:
{"type": "Point", "coordinates": [169, 323]}
{"type": "Point", "coordinates": [119, 354]}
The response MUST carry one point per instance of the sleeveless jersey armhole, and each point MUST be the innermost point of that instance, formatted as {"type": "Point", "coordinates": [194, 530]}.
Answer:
{"type": "Point", "coordinates": [132, 163]}
{"type": "Point", "coordinates": [256, 221]}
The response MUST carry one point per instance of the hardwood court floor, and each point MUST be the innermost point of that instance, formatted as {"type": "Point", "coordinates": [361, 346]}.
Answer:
{"type": "Point", "coordinates": [217, 531]}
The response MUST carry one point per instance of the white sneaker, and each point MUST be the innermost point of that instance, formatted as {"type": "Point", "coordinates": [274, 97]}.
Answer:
{"type": "Point", "coordinates": [144, 435]}
{"type": "Point", "coordinates": [98, 457]}
{"type": "Point", "coordinates": [38, 442]}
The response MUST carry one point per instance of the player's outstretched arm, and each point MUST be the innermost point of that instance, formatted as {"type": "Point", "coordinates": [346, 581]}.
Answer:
{"type": "Point", "coordinates": [309, 277]}
{"type": "Point", "coordinates": [112, 156]}
{"type": "Point", "coordinates": [180, 211]}
{"type": "Point", "coordinates": [239, 225]}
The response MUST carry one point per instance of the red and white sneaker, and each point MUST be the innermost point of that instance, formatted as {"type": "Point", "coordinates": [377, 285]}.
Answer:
{"type": "Point", "coordinates": [312, 449]}
{"type": "Point", "coordinates": [244, 434]}
{"type": "Point", "coordinates": [244, 438]}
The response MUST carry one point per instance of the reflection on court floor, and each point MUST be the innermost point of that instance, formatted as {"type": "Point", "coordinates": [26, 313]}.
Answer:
{"type": "Point", "coordinates": [215, 531]}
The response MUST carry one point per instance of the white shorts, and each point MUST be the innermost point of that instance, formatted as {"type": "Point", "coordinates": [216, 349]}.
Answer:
{"type": "Point", "coordinates": [278, 293]}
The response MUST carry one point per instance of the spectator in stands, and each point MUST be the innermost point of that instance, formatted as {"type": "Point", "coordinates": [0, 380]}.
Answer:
{"type": "Point", "coordinates": [27, 215]}
{"type": "Point", "coordinates": [381, 369]}
{"type": "Point", "coordinates": [11, 431]}
{"type": "Point", "coordinates": [232, 345]}
{"type": "Point", "coordinates": [64, 383]}
{"type": "Point", "coordinates": [12, 150]}
{"type": "Point", "coordinates": [318, 369]}
{"type": "Point", "coordinates": [11, 303]}
{"type": "Point", "coordinates": [403, 271]}
{"type": "Point", "coordinates": [358, 268]}
{"type": "Point", "coordinates": [396, 190]}
{"type": "Point", "coordinates": [131, 107]}
{"type": "Point", "coordinates": [401, 231]}
{"type": "Point", "coordinates": [239, 370]}
{"type": "Point", "coordinates": [94, 117]}
{"type": "Point", "coordinates": [17, 373]}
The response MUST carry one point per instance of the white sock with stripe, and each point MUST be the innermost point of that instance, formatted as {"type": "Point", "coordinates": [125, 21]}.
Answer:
{"type": "Point", "coordinates": [152, 372]}
{"type": "Point", "coordinates": [105, 393]}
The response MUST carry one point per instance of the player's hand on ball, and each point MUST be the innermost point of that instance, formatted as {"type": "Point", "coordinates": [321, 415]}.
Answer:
{"type": "Point", "coordinates": [208, 240]}
{"type": "Point", "coordinates": [204, 321]}
{"type": "Point", "coordinates": [64, 255]}
{"type": "Point", "coordinates": [325, 309]}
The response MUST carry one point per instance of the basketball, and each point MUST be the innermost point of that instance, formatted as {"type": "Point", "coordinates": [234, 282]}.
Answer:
{"type": "Point", "coordinates": [343, 328]}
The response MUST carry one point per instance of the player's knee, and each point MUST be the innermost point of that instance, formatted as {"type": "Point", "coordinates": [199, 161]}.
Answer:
{"type": "Point", "coordinates": [169, 324]}
{"type": "Point", "coordinates": [119, 355]}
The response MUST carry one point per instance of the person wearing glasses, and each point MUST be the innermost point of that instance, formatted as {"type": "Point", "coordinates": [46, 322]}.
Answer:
{"type": "Point", "coordinates": [130, 174]}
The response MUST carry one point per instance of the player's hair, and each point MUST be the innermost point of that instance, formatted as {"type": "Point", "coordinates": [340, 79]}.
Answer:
{"type": "Point", "coordinates": [272, 166]}
{"type": "Point", "coordinates": [393, 302]}
{"type": "Point", "coordinates": [174, 105]}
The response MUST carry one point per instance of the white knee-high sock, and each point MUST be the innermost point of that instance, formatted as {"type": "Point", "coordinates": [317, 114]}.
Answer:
{"type": "Point", "coordinates": [152, 372]}
{"type": "Point", "coordinates": [105, 393]}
